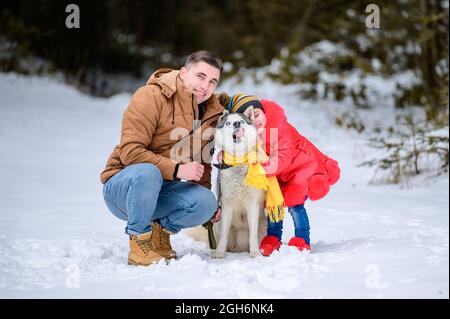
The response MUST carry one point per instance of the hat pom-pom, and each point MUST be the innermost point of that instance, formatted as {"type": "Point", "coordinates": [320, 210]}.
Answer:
{"type": "Point", "coordinates": [224, 99]}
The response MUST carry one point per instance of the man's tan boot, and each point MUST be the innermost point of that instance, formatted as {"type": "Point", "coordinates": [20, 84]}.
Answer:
{"type": "Point", "coordinates": [161, 241]}
{"type": "Point", "coordinates": [142, 251]}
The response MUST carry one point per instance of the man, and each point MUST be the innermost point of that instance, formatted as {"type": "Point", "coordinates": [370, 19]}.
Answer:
{"type": "Point", "coordinates": [142, 178]}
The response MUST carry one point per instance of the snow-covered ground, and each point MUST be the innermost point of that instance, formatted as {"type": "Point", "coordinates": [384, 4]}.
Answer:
{"type": "Point", "coordinates": [58, 240]}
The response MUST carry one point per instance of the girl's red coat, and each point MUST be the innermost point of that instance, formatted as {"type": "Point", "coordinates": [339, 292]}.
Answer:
{"type": "Point", "coordinates": [301, 169]}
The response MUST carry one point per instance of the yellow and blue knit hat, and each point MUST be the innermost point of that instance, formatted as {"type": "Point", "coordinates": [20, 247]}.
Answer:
{"type": "Point", "coordinates": [240, 102]}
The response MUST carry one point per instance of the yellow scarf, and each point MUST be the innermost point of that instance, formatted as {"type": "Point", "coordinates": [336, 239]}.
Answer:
{"type": "Point", "coordinates": [256, 177]}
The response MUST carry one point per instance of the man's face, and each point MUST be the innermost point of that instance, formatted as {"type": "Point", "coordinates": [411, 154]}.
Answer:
{"type": "Point", "coordinates": [201, 79]}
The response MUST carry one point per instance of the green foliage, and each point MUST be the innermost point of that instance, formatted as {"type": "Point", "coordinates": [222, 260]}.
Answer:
{"type": "Point", "coordinates": [409, 151]}
{"type": "Point", "coordinates": [350, 120]}
{"type": "Point", "coordinates": [410, 96]}
{"type": "Point", "coordinates": [254, 33]}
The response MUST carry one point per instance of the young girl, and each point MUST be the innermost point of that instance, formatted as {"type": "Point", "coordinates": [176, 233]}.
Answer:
{"type": "Point", "coordinates": [301, 169]}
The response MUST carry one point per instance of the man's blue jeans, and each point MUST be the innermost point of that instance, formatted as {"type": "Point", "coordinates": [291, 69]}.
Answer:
{"type": "Point", "coordinates": [301, 224]}
{"type": "Point", "coordinates": [138, 195]}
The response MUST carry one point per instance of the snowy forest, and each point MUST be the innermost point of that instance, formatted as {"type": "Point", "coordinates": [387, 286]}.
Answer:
{"type": "Point", "coordinates": [366, 81]}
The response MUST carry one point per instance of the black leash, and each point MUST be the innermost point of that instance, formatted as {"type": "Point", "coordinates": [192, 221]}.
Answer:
{"type": "Point", "coordinates": [211, 239]}
{"type": "Point", "coordinates": [209, 224]}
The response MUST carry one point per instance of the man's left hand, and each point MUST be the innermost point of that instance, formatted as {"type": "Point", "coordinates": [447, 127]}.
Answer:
{"type": "Point", "coordinates": [217, 215]}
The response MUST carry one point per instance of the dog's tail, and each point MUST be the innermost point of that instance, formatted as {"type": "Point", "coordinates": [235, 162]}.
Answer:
{"type": "Point", "coordinates": [198, 233]}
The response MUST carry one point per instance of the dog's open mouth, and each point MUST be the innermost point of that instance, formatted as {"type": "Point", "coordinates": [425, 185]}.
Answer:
{"type": "Point", "coordinates": [238, 135]}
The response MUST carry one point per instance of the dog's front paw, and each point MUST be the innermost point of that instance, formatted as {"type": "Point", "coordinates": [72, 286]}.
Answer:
{"type": "Point", "coordinates": [255, 253]}
{"type": "Point", "coordinates": [218, 254]}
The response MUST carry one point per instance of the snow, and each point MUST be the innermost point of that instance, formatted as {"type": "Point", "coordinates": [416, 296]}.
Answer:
{"type": "Point", "coordinates": [58, 240]}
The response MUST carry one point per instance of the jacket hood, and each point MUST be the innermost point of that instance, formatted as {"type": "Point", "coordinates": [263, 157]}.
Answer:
{"type": "Point", "coordinates": [275, 116]}
{"type": "Point", "coordinates": [165, 78]}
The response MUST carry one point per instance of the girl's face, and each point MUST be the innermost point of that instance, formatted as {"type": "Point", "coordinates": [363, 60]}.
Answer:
{"type": "Point", "coordinates": [260, 120]}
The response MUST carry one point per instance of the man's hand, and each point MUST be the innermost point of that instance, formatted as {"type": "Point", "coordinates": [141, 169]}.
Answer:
{"type": "Point", "coordinates": [217, 215]}
{"type": "Point", "coordinates": [190, 171]}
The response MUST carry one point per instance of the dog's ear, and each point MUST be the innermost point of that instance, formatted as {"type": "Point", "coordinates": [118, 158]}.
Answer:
{"type": "Point", "coordinates": [250, 114]}
{"type": "Point", "coordinates": [222, 119]}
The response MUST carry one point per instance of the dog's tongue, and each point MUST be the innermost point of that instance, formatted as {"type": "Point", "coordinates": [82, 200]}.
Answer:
{"type": "Point", "coordinates": [240, 133]}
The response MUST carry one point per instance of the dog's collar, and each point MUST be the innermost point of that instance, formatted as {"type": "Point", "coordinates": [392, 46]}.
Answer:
{"type": "Point", "coordinates": [222, 166]}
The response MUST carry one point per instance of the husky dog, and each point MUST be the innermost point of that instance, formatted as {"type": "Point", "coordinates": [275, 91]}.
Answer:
{"type": "Point", "coordinates": [243, 223]}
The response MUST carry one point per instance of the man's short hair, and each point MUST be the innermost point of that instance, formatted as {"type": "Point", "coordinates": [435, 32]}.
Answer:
{"type": "Point", "coordinates": [206, 56]}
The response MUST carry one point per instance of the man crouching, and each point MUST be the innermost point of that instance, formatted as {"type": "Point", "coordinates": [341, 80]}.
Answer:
{"type": "Point", "coordinates": [142, 181]}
